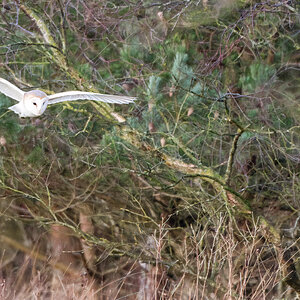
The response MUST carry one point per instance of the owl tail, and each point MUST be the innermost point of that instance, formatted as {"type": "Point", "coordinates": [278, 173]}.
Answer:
{"type": "Point", "coordinates": [17, 108]}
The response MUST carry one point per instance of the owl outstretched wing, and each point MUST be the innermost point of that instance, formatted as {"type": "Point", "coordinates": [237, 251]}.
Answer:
{"type": "Point", "coordinates": [77, 95]}
{"type": "Point", "coordinates": [11, 90]}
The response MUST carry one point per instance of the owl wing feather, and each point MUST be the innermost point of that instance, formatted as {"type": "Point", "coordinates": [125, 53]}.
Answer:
{"type": "Point", "coordinates": [11, 90]}
{"type": "Point", "coordinates": [77, 95]}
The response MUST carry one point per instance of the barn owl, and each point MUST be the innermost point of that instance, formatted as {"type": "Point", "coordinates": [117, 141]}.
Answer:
{"type": "Point", "coordinates": [34, 103]}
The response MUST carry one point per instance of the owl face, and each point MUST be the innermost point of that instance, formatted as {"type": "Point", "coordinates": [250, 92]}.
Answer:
{"type": "Point", "coordinates": [35, 103]}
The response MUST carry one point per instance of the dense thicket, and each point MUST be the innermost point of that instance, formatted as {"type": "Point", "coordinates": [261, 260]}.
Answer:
{"type": "Point", "coordinates": [190, 193]}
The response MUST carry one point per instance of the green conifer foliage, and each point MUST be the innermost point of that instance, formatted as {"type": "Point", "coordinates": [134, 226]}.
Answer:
{"type": "Point", "coordinates": [192, 191]}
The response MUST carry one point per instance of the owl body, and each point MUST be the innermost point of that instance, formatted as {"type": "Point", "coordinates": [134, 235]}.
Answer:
{"type": "Point", "coordinates": [35, 102]}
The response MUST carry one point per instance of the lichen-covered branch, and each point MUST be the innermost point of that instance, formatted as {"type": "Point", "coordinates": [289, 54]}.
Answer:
{"type": "Point", "coordinates": [59, 58]}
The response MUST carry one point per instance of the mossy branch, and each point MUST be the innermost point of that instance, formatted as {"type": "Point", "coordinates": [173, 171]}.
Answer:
{"type": "Point", "coordinates": [231, 156]}
{"type": "Point", "coordinates": [232, 198]}
{"type": "Point", "coordinates": [57, 56]}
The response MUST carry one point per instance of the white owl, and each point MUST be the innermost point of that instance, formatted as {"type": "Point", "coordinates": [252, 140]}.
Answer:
{"type": "Point", "coordinates": [34, 103]}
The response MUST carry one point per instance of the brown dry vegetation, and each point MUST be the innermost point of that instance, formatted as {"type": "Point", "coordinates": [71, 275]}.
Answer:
{"type": "Point", "coordinates": [195, 195]}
